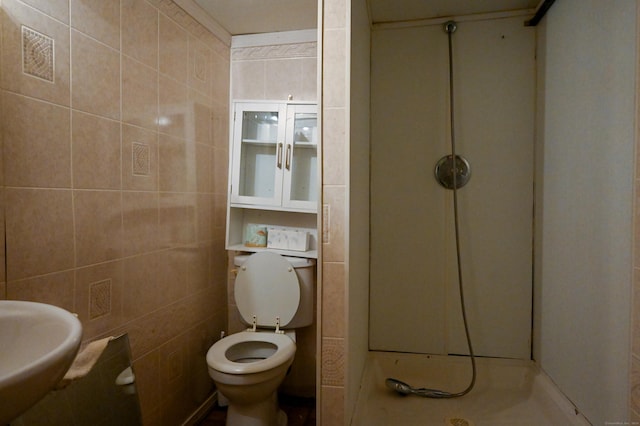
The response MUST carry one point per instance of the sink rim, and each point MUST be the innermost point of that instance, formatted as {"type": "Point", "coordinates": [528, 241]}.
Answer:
{"type": "Point", "coordinates": [37, 376]}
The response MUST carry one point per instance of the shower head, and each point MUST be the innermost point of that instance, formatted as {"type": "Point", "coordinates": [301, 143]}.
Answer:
{"type": "Point", "coordinates": [398, 386]}
{"type": "Point", "coordinates": [450, 27]}
{"type": "Point", "coordinates": [404, 389]}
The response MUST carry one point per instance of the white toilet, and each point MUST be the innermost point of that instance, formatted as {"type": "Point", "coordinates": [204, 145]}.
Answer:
{"type": "Point", "coordinates": [272, 293]}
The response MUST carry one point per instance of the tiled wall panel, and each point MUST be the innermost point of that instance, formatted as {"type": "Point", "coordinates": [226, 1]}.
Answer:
{"type": "Point", "coordinates": [114, 131]}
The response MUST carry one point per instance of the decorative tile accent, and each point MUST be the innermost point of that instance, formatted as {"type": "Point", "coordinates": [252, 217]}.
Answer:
{"type": "Point", "coordinates": [38, 53]}
{"type": "Point", "coordinates": [296, 50]}
{"type": "Point", "coordinates": [326, 221]}
{"type": "Point", "coordinates": [100, 299]}
{"type": "Point", "coordinates": [332, 362]}
{"type": "Point", "coordinates": [200, 67]}
{"type": "Point", "coordinates": [141, 158]}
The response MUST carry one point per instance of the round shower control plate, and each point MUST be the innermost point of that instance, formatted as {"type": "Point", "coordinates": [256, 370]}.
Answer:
{"type": "Point", "coordinates": [445, 169]}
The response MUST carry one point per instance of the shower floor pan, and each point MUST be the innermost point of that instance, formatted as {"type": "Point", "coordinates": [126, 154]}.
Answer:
{"type": "Point", "coordinates": [507, 392]}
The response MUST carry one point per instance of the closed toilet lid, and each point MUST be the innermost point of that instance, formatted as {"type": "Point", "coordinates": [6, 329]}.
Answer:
{"type": "Point", "coordinates": [267, 287]}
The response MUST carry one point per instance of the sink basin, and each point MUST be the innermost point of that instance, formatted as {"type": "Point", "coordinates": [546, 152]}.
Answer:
{"type": "Point", "coordinates": [38, 343]}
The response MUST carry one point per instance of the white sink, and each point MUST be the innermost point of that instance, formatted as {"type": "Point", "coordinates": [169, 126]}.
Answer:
{"type": "Point", "coordinates": [38, 343]}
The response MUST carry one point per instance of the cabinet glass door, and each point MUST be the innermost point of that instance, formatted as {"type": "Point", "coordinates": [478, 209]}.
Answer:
{"type": "Point", "coordinates": [301, 158]}
{"type": "Point", "coordinates": [258, 154]}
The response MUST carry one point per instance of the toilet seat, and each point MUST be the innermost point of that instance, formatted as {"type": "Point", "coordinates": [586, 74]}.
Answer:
{"type": "Point", "coordinates": [218, 360]}
{"type": "Point", "coordinates": [267, 290]}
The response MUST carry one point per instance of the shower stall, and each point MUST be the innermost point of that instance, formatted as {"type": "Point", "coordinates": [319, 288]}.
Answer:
{"type": "Point", "coordinates": [415, 303]}
{"type": "Point", "coordinates": [545, 117]}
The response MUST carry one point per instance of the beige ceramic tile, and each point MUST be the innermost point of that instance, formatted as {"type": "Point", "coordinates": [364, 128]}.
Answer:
{"type": "Point", "coordinates": [199, 340]}
{"type": "Point", "coordinates": [171, 284]}
{"type": "Point", "coordinates": [140, 222]}
{"type": "Point", "coordinates": [219, 212]}
{"type": "Point", "coordinates": [48, 49]}
{"type": "Point", "coordinates": [150, 331]}
{"type": "Point", "coordinates": [199, 72]}
{"type": "Point", "coordinates": [173, 367]}
{"type": "Point", "coordinates": [58, 9]}
{"type": "Point", "coordinates": [248, 79]}
{"type": "Point", "coordinates": [309, 90]}
{"type": "Point", "coordinates": [139, 94]}
{"type": "Point", "coordinates": [220, 171]}
{"type": "Point", "coordinates": [139, 293]}
{"type": "Point", "coordinates": [334, 199]}
{"type": "Point", "coordinates": [333, 294]}
{"type": "Point", "coordinates": [96, 152]}
{"type": "Point", "coordinates": [221, 78]}
{"type": "Point", "coordinates": [635, 383]}
{"type": "Point", "coordinates": [203, 216]}
{"type": "Point", "coordinates": [201, 113]}
{"type": "Point", "coordinates": [203, 167]}
{"type": "Point", "coordinates": [140, 31]}
{"type": "Point", "coordinates": [39, 232]}
{"type": "Point", "coordinates": [55, 289]}
{"type": "Point", "coordinates": [95, 87]}
{"type": "Point", "coordinates": [334, 67]}
{"type": "Point", "coordinates": [97, 18]}
{"type": "Point", "coordinates": [218, 264]}
{"type": "Point", "coordinates": [334, 14]}
{"type": "Point", "coordinates": [174, 50]}
{"type": "Point", "coordinates": [199, 268]}
{"type": "Point", "coordinates": [3, 271]}
{"type": "Point", "coordinates": [174, 165]}
{"type": "Point", "coordinates": [283, 77]}
{"type": "Point", "coordinates": [332, 406]}
{"type": "Point", "coordinates": [635, 313]}
{"type": "Point", "coordinates": [333, 362]}
{"type": "Point", "coordinates": [148, 381]}
{"type": "Point", "coordinates": [174, 109]}
{"type": "Point", "coordinates": [139, 158]}
{"type": "Point", "coordinates": [36, 138]}
{"type": "Point", "coordinates": [98, 226]}
{"type": "Point", "coordinates": [177, 215]}
{"type": "Point", "coordinates": [98, 297]}
{"type": "Point", "coordinates": [333, 149]}
{"type": "Point", "coordinates": [220, 126]}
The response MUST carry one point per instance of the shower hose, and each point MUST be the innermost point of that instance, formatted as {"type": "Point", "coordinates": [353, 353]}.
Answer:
{"type": "Point", "coordinates": [395, 384]}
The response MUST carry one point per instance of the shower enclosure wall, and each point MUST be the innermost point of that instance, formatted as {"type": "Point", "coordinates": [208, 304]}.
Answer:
{"type": "Point", "coordinates": [414, 300]}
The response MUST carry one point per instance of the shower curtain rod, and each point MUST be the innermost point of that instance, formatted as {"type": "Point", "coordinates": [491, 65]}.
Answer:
{"type": "Point", "coordinates": [542, 10]}
{"type": "Point", "coordinates": [444, 19]}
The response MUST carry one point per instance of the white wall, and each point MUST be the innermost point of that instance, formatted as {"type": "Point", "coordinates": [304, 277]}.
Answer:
{"type": "Point", "coordinates": [586, 66]}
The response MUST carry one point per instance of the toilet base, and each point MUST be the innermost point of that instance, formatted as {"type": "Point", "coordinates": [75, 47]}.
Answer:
{"type": "Point", "coordinates": [264, 413]}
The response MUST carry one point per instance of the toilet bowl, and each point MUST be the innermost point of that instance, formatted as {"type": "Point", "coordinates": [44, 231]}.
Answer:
{"type": "Point", "coordinates": [249, 366]}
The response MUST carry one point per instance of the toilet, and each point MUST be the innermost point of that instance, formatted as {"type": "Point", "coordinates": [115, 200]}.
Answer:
{"type": "Point", "coordinates": [274, 295]}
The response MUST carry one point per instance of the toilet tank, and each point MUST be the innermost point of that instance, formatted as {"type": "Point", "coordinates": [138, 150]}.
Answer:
{"type": "Point", "coordinates": [305, 270]}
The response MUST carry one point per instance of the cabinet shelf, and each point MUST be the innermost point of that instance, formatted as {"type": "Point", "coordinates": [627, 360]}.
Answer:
{"type": "Point", "coordinates": [258, 142]}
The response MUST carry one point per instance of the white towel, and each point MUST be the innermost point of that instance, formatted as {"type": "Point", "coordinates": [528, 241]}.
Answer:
{"type": "Point", "coordinates": [84, 361]}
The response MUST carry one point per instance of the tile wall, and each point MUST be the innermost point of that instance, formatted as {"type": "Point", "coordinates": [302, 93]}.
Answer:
{"type": "Point", "coordinates": [634, 379]}
{"type": "Point", "coordinates": [114, 127]}
{"type": "Point", "coordinates": [335, 51]}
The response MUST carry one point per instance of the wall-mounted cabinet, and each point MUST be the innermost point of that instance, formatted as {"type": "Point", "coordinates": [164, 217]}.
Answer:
{"type": "Point", "coordinates": [274, 156]}
{"type": "Point", "coordinates": [274, 167]}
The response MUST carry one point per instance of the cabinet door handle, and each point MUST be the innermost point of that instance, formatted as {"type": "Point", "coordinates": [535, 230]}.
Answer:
{"type": "Point", "coordinates": [288, 157]}
{"type": "Point", "coordinates": [279, 155]}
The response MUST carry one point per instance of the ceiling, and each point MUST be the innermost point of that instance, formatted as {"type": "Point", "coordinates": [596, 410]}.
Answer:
{"type": "Point", "coordinates": [262, 16]}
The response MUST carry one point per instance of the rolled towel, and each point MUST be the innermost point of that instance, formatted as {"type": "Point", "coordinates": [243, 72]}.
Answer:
{"type": "Point", "coordinates": [84, 361]}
